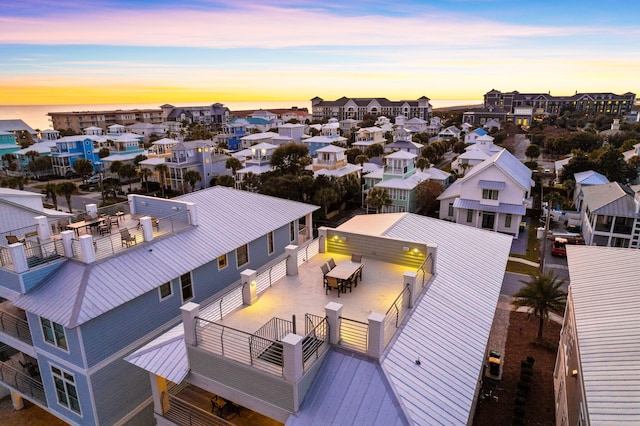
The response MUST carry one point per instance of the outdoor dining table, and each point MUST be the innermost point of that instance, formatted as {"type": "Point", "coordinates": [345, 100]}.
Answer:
{"type": "Point", "coordinates": [75, 226]}
{"type": "Point", "coordinates": [345, 270]}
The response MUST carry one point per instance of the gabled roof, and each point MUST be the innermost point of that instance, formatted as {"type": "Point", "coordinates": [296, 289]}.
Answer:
{"type": "Point", "coordinates": [78, 292]}
{"type": "Point", "coordinates": [612, 199]}
{"type": "Point", "coordinates": [14, 125]}
{"type": "Point", "coordinates": [402, 155]}
{"type": "Point", "coordinates": [165, 356]}
{"type": "Point", "coordinates": [590, 178]}
{"type": "Point", "coordinates": [509, 165]}
{"type": "Point", "coordinates": [605, 294]}
{"type": "Point", "coordinates": [331, 148]}
{"type": "Point", "coordinates": [453, 338]}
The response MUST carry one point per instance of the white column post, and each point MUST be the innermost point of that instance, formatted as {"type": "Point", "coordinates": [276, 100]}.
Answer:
{"type": "Point", "coordinates": [322, 239]}
{"type": "Point", "coordinates": [147, 228]}
{"type": "Point", "coordinates": [376, 335]}
{"type": "Point", "coordinates": [292, 357]}
{"type": "Point", "coordinates": [67, 236]}
{"type": "Point", "coordinates": [88, 251]}
{"type": "Point", "coordinates": [132, 203]}
{"type": "Point", "coordinates": [333, 311]}
{"type": "Point", "coordinates": [17, 401]}
{"type": "Point", "coordinates": [193, 213]}
{"type": "Point", "coordinates": [44, 230]}
{"type": "Point", "coordinates": [249, 290]}
{"type": "Point", "coordinates": [292, 259]}
{"type": "Point", "coordinates": [92, 209]}
{"type": "Point", "coordinates": [190, 311]}
{"type": "Point", "coordinates": [158, 389]}
{"type": "Point", "coordinates": [410, 279]}
{"type": "Point", "coordinates": [18, 257]}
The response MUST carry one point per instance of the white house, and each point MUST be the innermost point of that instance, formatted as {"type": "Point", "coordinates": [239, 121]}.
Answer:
{"type": "Point", "coordinates": [259, 163]}
{"type": "Point", "coordinates": [471, 137]}
{"type": "Point", "coordinates": [256, 138]}
{"type": "Point", "coordinates": [475, 154]}
{"type": "Point", "coordinates": [331, 161]}
{"type": "Point", "coordinates": [449, 133]}
{"type": "Point", "coordinates": [493, 195]}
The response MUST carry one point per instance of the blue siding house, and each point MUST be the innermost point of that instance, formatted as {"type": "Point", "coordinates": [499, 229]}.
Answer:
{"type": "Point", "coordinates": [69, 149]}
{"type": "Point", "coordinates": [105, 296]}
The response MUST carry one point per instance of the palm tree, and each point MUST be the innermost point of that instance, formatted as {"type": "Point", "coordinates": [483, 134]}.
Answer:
{"type": "Point", "coordinates": [543, 294]}
{"type": "Point", "coordinates": [144, 174]}
{"type": "Point", "coordinates": [234, 164]}
{"type": "Point", "coordinates": [361, 159]}
{"type": "Point", "coordinates": [377, 198]}
{"type": "Point", "coordinates": [128, 171]}
{"type": "Point", "coordinates": [326, 196]}
{"type": "Point", "coordinates": [422, 163]}
{"type": "Point", "coordinates": [162, 169]}
{"type": "Point", "coordinates": [67, 189]}
{"type": "Point", "coordinates": [193, 177]}
{"type": "Point", "coordinates": [50, 191]}
{"type": "Point", "coordinates": [226, 180]}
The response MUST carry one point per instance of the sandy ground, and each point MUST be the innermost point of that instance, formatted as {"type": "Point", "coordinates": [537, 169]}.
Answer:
{"type": "Point", "coordinates": [30, 415]}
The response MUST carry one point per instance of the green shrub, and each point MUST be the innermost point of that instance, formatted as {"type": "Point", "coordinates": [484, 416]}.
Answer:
{"type": "Point", "coordinates": [524, 378]}
{"type": "Point", "coordinates": [520, 400]}
{"type": "Point", "coordinates": [524, 387]}
{"type": "Point", "coordinates": [525, 364]}
{"type": "Point", "coordinates": [518, 411]}
{"type": "Point", "coordinates": [517, 420]}
{"type": "Point", "coordinates": [530, 360]}
{"type": "Point", "coordinates": [526, 372]}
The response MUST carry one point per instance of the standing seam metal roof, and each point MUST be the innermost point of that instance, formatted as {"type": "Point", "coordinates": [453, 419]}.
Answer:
{"type": "Point", "coordinates": [228, 218]}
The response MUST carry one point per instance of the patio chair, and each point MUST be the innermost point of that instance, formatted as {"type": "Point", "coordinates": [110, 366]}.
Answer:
{"type": "Point", "coordinates": [332, 263]}
{"type": "Point", "coordinates": [355, 257]}
{"type": "Point", "coordinates": [126, 238]}
{"type": "Point", "coordinates": [333, 283]}
{"type": "Point", "coordinates": [12, 239]}
{"type": "Point", "coordinates": [104, 228]}
{"type": "Point", "coordinates": [62, 224]}
{"type": "Point", "coordinates": [346, 284]}
{"type": "Point", "coordinates": [155, 223]}
{"type": "Point", "coordinates": [325, 271]}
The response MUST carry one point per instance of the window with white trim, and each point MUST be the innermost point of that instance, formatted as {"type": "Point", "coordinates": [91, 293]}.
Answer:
{"type": "Point", "coordinates": [507, 221]}
{"type": "Point", "coordinates": [450, 213]}
{"type": "Point", "coordinates": [490, 194]}
{"type": "Point", "coordinates": [54, 333]}
{"type": "Point", "coordinates": [186, 287]}
{"type": "Point", "coordinates": [66, 389]}
{"type": "Point", "coordinates": [469, 216]}
{"type": "Point", "coordinates": [165, 290]}
{"type": "Point", "coordinates": [270, 243]}
{"type": "Point", "coordinates": [242, 255]}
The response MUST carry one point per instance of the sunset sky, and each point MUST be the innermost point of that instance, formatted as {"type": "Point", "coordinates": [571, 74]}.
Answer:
{"type": "Point", "coordinates": [111, 51]}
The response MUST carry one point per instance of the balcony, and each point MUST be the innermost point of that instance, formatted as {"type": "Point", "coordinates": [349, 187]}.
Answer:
{"type": "Point", "coordinates": [46, 244]}
{"type": "Point", "coordinates": [270, 350]}
{"type": "Point", "coordinates": [13, 323]}
{"type": "Point", "coordinates": [21, 373]}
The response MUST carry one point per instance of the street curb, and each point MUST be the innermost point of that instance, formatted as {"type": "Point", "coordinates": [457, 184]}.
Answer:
{"type": "Point", "coordinates": [525, 261]}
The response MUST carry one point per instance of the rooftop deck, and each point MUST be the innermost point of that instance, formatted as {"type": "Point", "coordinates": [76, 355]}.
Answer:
{"type": "Point", "coordinates": [305, 294]}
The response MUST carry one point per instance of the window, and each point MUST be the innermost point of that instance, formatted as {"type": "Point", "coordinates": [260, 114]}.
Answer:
{"type": "Point", "coordinates": [469, 216]}
{"type": "Point", "coordinates": [270, 248]}
{"type": "Point", "coordinates": [450, 213]}
{"type": "Point", "coordinates": [402, 195]}
{"type": "Point", "coordinates": [186, 287]}
{"type": "Point", "coordinates": [242, 255]}
{"type": "Point", "coordinates": [292, 231]}
{"type": "Point", "coordinates": [507, 221]}
{"type": "Point", "coordinates": [490, 194]}
{"type": "Point", "coordinates": [66, 389]}
{"type": "Point", "coordinates": [54, 333]}
{"type": "Point", "coordinates": [165, 290]}
{"type": "Point", "coordinates": [222, 261]}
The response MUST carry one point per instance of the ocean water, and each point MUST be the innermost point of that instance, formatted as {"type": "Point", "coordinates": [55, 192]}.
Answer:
{"type": "Point", "coordinates": [36, 115]}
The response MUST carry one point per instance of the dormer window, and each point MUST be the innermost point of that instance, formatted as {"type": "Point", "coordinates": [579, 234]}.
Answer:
{"type": "Point", "coordinates": [490, 194]}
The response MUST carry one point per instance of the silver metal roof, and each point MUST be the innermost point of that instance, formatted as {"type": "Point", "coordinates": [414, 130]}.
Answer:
{"type": "Point", "coordinates": [491, 184]}
{"type": "Point", "coordinates": [365, 396]}
{"type": "Point", "coordinates": [165, 356]}
{"type": "Point", "coordinates": [611, 199]}
{"type": "Point", "coordinates": [449, 327]}
{"type": "Point", "coordinates": [500, 208]}
{"type": "Point", "coordinates": [605, 295]}
{"type": "Point", "coordinates": [228, 218]}
{"type": "Point", "coordinates": [509, 165]}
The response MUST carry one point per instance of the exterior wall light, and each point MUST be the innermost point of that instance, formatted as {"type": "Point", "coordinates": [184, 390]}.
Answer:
{"type": "Point", "coordinates": [405, 248]}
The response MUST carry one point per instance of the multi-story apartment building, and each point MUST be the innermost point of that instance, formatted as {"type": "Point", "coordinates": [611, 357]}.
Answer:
{"type": "Point", "coordinates": [80, 120]}
{"type": "Point", "coordinates": [76, 303]}
{"type": "Point", "coordinates": [210, 115]}
{"type": "Point", "coordinates": [597, 373]}
{"type": "Point", "coordinates": [356, 108]}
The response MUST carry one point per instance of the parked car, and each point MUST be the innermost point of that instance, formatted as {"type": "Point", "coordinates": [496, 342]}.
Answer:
{"type": "Point", "coordinates": [93, 179]}
{"type": "Point", "coordinates": [559, 246]}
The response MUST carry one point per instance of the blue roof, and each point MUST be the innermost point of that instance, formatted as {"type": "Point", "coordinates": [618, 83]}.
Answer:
{"type": "Point", "coordinates": [480, 131]}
